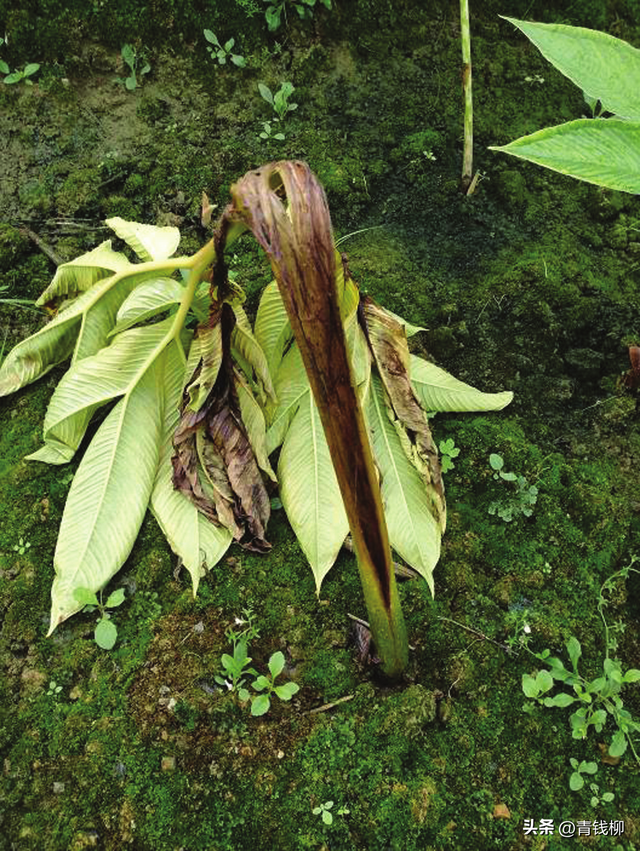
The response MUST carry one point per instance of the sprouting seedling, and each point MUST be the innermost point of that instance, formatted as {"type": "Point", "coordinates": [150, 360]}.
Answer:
{"type": "Point", "coordinates": [267, 134]}
{"type": "Point", "coordinates": [280, 100]}
{"type": "Point", "coordinates": [266, 685]}
{"type": "Point", "coordinates": [133, 59]}
{"type": "Point", "coordinates": [520, 502]}
{"type": "Point", "coordinates": [324, 810]}
{"type": "Point", "coordinates": [222, 52]}
{"type": "Point", "coordinates": [448, 451]}
{"type": "Point", "coordinates": [17, 76]}
{"type": "Point", "coordinates": [21, 547]}
{"type": "Point", "coordinates": [105, 633]}
{"type": "Point", "coordinates": [576, 781]}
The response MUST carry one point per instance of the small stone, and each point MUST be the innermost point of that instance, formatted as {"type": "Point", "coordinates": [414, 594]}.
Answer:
{"type": "Point", "coordinates": [58, 788]}
{"type": "Point", "coordinates": [168, 763]}
{"type": "Point", "coordinates": [280, 755]}
{"type": "Point", "coordinates": [199, 627]}
{"type": "Point", "coordinates": [501, 811]}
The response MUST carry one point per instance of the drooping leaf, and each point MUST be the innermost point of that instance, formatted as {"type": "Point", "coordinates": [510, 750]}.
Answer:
{"type": "Point", "coordinates": [437, 390]}
{"type": "Point", "coordinates": [273, 329]}
{"type": "Point", "coordinates": [214, 463]}
{"type": "Point", "coordinates": [90, 383]}
{"type": "Point", "coordinates": [146, 301]}
{"type": "Point", "coordinates": [391, 355]}
{"type": "Point", "coordinates": [198, 542]}
{"type": "Point", "coordinates": [605, 67]}
{"type": "Point", "coordinates": [254, 423]}
{"type": "Point", "coordinates": [109, 495]}
{"type": "Point", "coordinates": [245, 343]}
{"type": "Point", "coordinates": [414, 531]}
{"type": "Point", "coordinates": [80, 274]}
{"type": "Point", "coordinates": [292, 385]}
{"type": "Point", "coordinates": [148, 241]}
{"type": "Point", "coordinates": [309, 490]}
{"type": "Point", "coordinates": [601, 151]}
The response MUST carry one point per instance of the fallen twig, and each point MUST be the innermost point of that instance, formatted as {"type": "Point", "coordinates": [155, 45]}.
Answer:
{"type": "Point", "coordinates": [327, 706]}
{"type": "Point", "coordinates": [50, 253]}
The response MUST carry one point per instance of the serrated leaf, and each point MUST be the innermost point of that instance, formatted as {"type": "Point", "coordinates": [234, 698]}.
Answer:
{"type": "Point", "coordinates": [413, 530]}
{"type": "Point", "coordinates": [148, 241]}
{"type": "Point", "coordinates": [260, 705]}
{"type": "Point", "coordinates": [147, 300]}
{"type": "Point", "coordinates": [105, 634]}
{"type": "Point", "coordinates": [595, 61]}
{"type": "Point", "coordinates": [601, 151]}
{"type": "Point", "coordinates": [287, 690]}
{"type": "Point", "coordinates": [81, 274]}
{"type": "Point", "coordinates": [90, 383]}
{"type": "Point", "coordinates": [438, 391]}
{"type": "Point", "coordinates": [109, 495]}
{"type": "Point", "coordinates": [191, 536]}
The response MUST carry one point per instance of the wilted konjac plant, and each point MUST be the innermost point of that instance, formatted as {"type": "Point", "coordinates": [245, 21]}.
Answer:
{"type": "Point", "coordinates": [327, 376]}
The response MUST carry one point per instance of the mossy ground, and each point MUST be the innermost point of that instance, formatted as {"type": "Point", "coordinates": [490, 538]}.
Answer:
{"type": "Point", "coordinates": [532, 285]}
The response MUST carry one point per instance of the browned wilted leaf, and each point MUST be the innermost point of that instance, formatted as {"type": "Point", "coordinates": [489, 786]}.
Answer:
{"type": "Point", "coordinates": [388, 343]}
{"type": "Point", "coordinates": [214, 464]}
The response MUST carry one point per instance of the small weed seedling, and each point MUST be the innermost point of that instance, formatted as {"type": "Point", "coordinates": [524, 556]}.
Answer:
{"type": "Point", "coordinates": [134, 60]}
{"type": "Point", "coordinates": [21, 547]}
{"type": "Point", "coordinates": [597, 799]}
{"type": "Point", "coordinates": [105, 633]}
{"type": "Point", "coordinates": [576, 781]}
{"type": "Point", "coordinates": [277, 10]}
{"type": "Point", "coordinates": [17, 76]}
{"type": "Point", "coordinates": [223, 52]}
{"type": "Point", "coordinates": [324, 810]}
{"type": "Point", "coordinates": [598, 700]}
{"type": "Point", "coordinates": [262, 703]}
{"type": "Point", "coordinates": [54, 689]}
{"type": "Point", "coordinates": [279, 101]}
{"type": "Point", "coordinates": [267, 134]}
{"type": "Point", "coordinates": [520, 502]}
{"type": "Point", "coordinates": [448, 451]}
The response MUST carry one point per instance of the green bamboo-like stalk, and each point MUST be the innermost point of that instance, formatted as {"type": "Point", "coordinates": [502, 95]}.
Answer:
{"type": "Point", "coordinates": [467, 159]}
{"type": "Point", "coordinates": [285, 207]}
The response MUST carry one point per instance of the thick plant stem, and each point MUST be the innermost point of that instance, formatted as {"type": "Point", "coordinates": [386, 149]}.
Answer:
{"type": "Point", "coordinates": [467, 159]}
{"type": "Point", "coordinates": [299, 241]}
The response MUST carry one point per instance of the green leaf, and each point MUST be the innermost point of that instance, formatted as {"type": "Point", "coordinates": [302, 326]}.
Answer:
{"type": "Point", "coordinates": [30, 69]}
{"type": "Point", "coordinates": [327, 817]}
{"type": "Point", "coordinates": [254, 423]}
{"type": "Point", "coordinates": [146, 301]}
{"type": "Point", "coordinates": [243, 695]}
{"type": "Point", "coordinates": [632, 676]}
{"type": "Point", "coordinates": [544, 681]}
{"type": "Point", "coordinates": [261, 683]}
{"type": "Point", "coordinates": [287, 690]}
{"type": "Point", "coordinates": [131, 82]}
{"type": "Point", "coordinates": [260, 704]}
{"type": "Point", "coordinates": [530, 686]}
{"type": "Point", "coordinates": [239, 61]}
{"type": "Point", "coordinates": [129, 55]}
{"type": "Point", "coordinates": [276, 664]}
{"type": "Point", "coordinates": [618, 744]}
{"type": "Point", "coordinates": [308, 486]}
{"type": "Point", "coordinates": [198, 543]}
{"type": "Point", "coordinates": [85, 597]}
{"type": "Point", "coordinates": [576, 782]}
{"type": "Point", "coordinates": [4, 68]}
{"type": "Point", "coordinates": [563, 699]}
{"type": "Point", "coordinates": [438, 391]}
{"type": "Point", "coordinates": [414, 533]}
{"type": "Point", "coordinates": [574, 650]}
{"type": "Point", "coordinates": [109, 494]}
{"type": "Point", "coordinates": [602, 151]}
{"type": "Point", "coordinates": [148, 241]}
{"type": "Point", "coordinates": [244, 342]}
{"type": "Point", "coordinates": [496, 461]}
{"type": "Point", "coordinates": [116, 598]}
{"type": "Point", "coordinates": [273, 329]}
{"type": "Point", "coordinates": [81, 274]}
{"type": "Point", "coordinates": [90, 383]}
{"type": "Point", "coordinates": [105, 634]}
{"type": "Point", "coordinates": [210, 37]}
{"type": "Point", "coordinates": [589, 767]}
{"type": "Point", "coordinates": [265, 91]}
{"type": "Point", "coordinates": [595, 61]}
